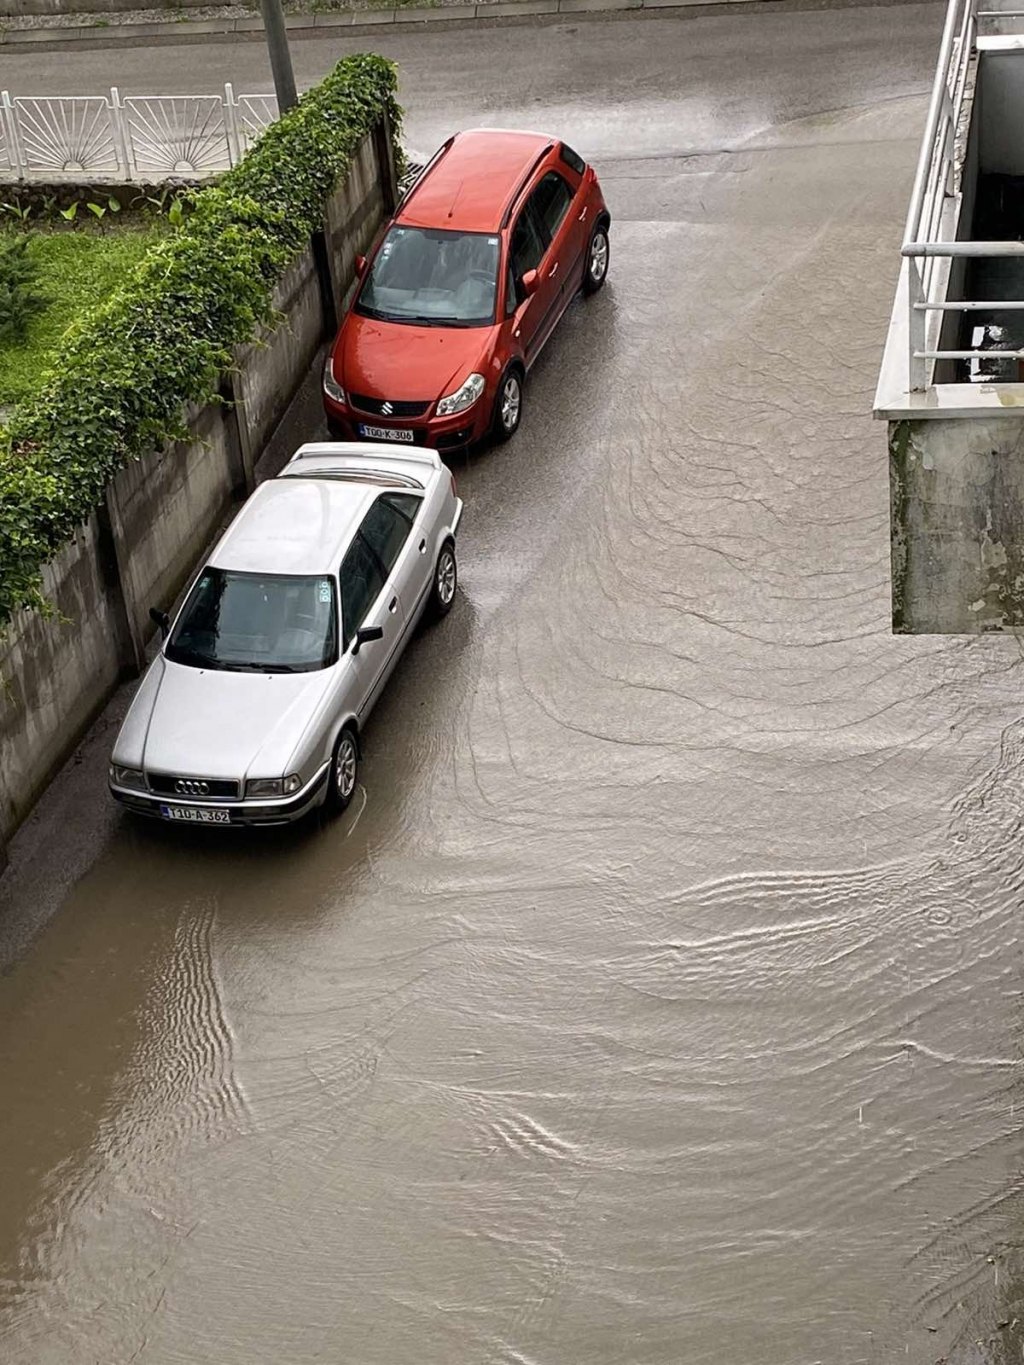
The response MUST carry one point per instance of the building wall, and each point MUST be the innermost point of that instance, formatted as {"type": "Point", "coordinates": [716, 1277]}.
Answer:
{"type": "Point", "coordinates": [957, 518]}
{"type": "Point", "coordinates": [1001, 83]}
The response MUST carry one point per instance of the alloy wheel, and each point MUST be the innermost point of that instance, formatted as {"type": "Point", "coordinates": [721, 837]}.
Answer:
{"type": "Point", "coordinates": [345, 766]}
{"type": "Point", "coordinates": [598, 257]}
{"type": "Point", "coordinates": [511, 399]}
{"type": "Point", "coordinates": [446, 577]}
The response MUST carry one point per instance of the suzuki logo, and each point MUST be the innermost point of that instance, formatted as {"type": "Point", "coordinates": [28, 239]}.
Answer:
{"type": "Point", "coordinates": [386, 409]}
{"type": "Point", "coordinates": [185, 788]}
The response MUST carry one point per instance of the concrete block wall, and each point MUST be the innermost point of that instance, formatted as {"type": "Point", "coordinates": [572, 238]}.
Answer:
{"type": "Point", "coordinates": [138, 550]}
{"type": "Point", "coordinates": [354, 212]}
{"type": "Point", "coordinates": [56, 671]}
{"type": "Point", "coordinates": [957, 519]}
{"type": "Point", "coordinates": [267, 370]}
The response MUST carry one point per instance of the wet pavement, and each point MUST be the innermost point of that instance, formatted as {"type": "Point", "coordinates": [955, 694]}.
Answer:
{"type": "Point", "coordinates": [659, 999]}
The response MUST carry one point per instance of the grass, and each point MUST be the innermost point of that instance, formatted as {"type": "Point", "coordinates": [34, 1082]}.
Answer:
{"type": "Point", "coordinates": [77, 269]}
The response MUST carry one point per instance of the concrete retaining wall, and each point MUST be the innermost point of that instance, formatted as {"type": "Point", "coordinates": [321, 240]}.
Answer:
{"type": "Point", "coordinates": [138, 550]}
{"type": "Point", "coordinates": [957, 512]}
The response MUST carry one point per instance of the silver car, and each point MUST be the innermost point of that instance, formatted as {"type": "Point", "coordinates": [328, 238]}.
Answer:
{"type": "Point", "coordinates": [253, 709]}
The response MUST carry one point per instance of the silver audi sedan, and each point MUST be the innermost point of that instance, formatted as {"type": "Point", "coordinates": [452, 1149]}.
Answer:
{"type": "Point", "coordinates": [253, 709]}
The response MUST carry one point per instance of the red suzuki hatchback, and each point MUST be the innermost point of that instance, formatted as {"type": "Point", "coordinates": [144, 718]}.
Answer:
{"type": "Point", "coordinates": [467, 282]}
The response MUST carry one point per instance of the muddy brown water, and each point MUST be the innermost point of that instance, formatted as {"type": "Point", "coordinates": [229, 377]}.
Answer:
{"type": "Point", "coordinates": [660, 998]}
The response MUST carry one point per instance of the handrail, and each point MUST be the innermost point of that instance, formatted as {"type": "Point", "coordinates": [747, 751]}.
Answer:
{"type": "Point", "coordinates": [940, 94]}
{"type": "Point", "coordinates": [965, 248]}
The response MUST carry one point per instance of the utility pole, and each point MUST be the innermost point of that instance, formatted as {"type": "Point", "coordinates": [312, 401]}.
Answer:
{"type": "Point", "coordinates": [280, 56]}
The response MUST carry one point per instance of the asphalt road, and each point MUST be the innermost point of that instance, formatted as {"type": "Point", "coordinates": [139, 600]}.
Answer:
{"type": "Point", "coordinates": [659, 999]}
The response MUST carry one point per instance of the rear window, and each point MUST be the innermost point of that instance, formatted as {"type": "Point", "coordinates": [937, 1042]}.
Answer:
{"type": "Point", "coordinates": [573, 159]}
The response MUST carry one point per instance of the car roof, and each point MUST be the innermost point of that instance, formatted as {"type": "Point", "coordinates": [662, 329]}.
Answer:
{"type": "Point", "coordinates": [470, 183]}
{"type": "Point", "coordinates": [303, 521]}
{"type": "Point", "coordinates": [294, 526]}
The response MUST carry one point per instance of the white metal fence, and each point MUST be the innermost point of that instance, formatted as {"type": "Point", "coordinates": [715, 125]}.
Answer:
{"type": "Point", "coordinates": [929, 238]}
{"type": "Point", "coordinates": [130, 137]}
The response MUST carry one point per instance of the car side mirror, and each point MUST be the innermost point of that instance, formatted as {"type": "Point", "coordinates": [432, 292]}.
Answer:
{"type": "Point", "coordinates": [161, 619]}
{"type": "Point", "coordinates": [366, 634]}
{"type": "Point", "coordinates": [360, 266]}
{"type": "Point", "coordinates": [530, 282]}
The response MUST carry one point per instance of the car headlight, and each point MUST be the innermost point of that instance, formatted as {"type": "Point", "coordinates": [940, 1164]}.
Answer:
{"type": "Point", "coordinates": [273, 786]}
{"type": "Point", "coordinates": [332, 388]}
{"type": "Point", "coordinates": [128, 777]}
{"type": "Point", "coordinates": [463, 397]}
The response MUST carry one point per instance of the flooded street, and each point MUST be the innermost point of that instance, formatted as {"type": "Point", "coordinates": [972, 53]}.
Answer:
{"type": "Point", "coordinates": [659, 1000]}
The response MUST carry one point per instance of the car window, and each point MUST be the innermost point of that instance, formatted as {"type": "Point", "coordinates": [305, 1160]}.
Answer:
{"type": "Point", "coordinates": [406, 504]}
{"type": "Point", "coordinates": [511, 302]}
{"type": "Point", "coordinates": [573, 159]}
{"type": "Point", "coordinates": [528, 246]}
{"type": "Point", "coordinates": [361, 582]}
{"type": "Point", "coordinates": [551, 200]}
{"type": "Point", "coordinates": [386, 527]}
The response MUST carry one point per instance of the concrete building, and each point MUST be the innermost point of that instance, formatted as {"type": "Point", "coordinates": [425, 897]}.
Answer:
{"type": "Point", "coordinates": [952, 380]}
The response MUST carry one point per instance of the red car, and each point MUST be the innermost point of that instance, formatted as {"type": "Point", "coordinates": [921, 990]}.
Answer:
{"type": "Point", "coordinates": [468, 281]}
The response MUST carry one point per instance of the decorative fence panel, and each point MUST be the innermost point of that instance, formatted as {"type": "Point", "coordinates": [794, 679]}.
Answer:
{"type": "Point", "coordinates": [137, 137]}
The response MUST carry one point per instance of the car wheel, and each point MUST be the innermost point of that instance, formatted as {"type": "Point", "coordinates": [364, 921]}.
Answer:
{"type": "Point", "coordinates": [598, 254]}
{"type": "Point", "coordinates": [446, 581]}
{"type": "Point", "coordinates": [344, 771]}
{"type": "Point", "coordinates": [508, 406]}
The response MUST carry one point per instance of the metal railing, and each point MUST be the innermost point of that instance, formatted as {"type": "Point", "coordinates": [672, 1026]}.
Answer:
{"type": "Point", "coordinates": [929, 244]}
{"type": "Point", "coordinates": [132, 137]}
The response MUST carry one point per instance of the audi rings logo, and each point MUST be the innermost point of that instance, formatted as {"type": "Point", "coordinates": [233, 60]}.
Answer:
{"type": "Point", "coordinates": [186, 788]}
{"type": "Point", "coordinates": [386, 409]}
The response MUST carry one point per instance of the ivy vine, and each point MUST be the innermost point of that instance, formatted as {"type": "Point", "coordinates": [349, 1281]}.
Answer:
{"type": "Point", "coordinates": [127, 370]}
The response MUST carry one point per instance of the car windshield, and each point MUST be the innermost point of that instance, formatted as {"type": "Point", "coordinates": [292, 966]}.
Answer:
{"type": "Point", "coordinates": [257, 623]}
{"type": "Point", "coordinates": [433, 278]}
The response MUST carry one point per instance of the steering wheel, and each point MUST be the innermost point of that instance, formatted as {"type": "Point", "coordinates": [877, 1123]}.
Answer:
{"type": "Point", "coordinates": [483, 276]}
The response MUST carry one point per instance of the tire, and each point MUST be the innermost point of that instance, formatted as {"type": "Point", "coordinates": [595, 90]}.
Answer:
{"type": "Point", "coordinates": [508, 407]}
{"type": "Point", "coordinates": [598, 256]}
{"type": "Point", "coordinates": [341, 785]}
{"type": "Point", "coordinates": [446, 581]}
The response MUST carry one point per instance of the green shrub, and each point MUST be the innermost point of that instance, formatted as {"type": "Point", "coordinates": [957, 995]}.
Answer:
{"type": "Point", "coordinates": [18, 277]}
{"type": "Point", "coordinates": [126, 370]}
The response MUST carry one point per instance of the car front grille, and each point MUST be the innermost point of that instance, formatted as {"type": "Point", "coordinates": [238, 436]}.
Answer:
{"type": "Point", "coordinates": [395, 407]}
{"type": "Point", "coordinates": [191, 788]}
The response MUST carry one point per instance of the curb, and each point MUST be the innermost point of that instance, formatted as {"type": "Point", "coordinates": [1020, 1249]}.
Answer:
{"type": "Point", "coordinates": [363, 22]}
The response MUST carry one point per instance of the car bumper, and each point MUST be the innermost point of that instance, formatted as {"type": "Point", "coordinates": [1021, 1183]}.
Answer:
{"type": "Point", "coordinates": [436, 433]}
{"type": "Point", "coordinates": [266, 811]}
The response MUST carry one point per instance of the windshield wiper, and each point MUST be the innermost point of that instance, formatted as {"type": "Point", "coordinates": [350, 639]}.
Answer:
{"type": "Point", "coordinates": [378, 314]}
{"type": "Point", "coordinates": [255, 666]}
{"type": "Point", "coordinates": [181, 654]}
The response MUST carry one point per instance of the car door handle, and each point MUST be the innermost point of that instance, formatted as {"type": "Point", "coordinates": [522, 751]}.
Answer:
{"type": "Point", "coordinates": [423, 547]}
{"type": "Point", "coordinates": [393, 604]}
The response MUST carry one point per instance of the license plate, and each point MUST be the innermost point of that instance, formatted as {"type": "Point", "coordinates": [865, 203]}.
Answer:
{"type": "Point", "coordinates": [197, 814]}
{"type": "Point", "coordinates": [387, 433]}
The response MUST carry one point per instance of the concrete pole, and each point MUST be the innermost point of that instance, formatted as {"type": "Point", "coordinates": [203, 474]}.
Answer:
{"type": "Point", "coordinates": [280, 56]}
